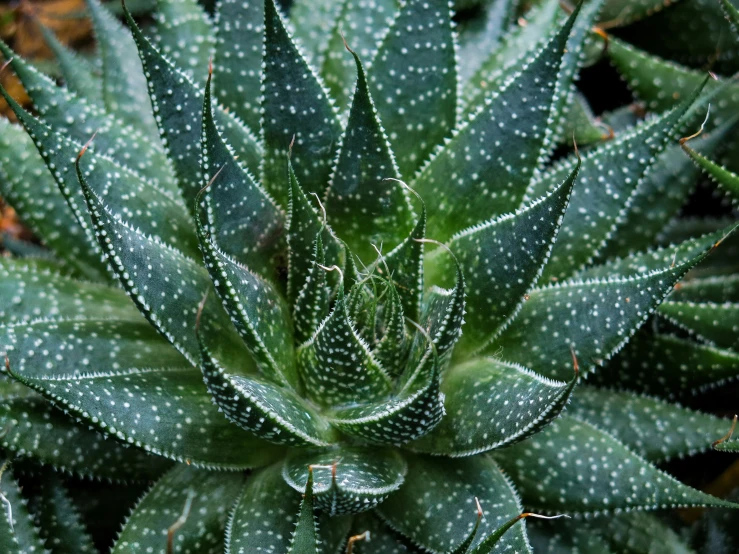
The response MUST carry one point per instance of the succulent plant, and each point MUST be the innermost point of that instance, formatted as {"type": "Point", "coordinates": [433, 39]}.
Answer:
{"type": "Point", "coordinates": [337, 292]}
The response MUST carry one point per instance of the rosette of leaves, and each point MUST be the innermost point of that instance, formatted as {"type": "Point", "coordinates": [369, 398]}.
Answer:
{"type": "Point", "coordinates": [332, 294]}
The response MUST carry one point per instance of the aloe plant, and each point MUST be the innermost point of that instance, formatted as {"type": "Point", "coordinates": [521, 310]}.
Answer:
{"type": "Point", "coordinates": [333, 292]}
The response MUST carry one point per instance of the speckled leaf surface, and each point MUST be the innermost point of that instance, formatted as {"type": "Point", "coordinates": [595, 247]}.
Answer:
{"type": "Point", "coordinates": [26, 182]}
{"type": "Point", "coordinates": [594, 317]}
{"type": "Point", "coordinates": [38, 431]}
{"type": "Point", "coordinates": [381, 537]}
{"type": "Point", "coordinates": [177, 102]}
{"type": "Point", "coordinates": [727, 179]}
{"type": "Point", "coordinates": [363, 206]}
{"type": "Point", "coordinates": [716, 324]}
{"type": "Point", "coordinates": [130, 384]}
{"type": "Point", "coordinates": [301, 110]}
{"type": "Point", "coordinates": [516, 402]}
{"type": "Point", "coordinates": [264, 517]}
{"type": "Point", "coordinates": [443, 314]}
{"type": "Point", "coordinates": [618, 13]}
{"type": "Point", "coordinates": [313, 21]}
{"type": "Point", "coordinates": [637, 533]}
{"type": "Point", "coordinates": [239, 28]}
{"type": "Point", "coordinates": [184, 33]}
{"type": "Point", "coordinates": [502, 259]}
{"type": "Point", "coordinates": [363, 23]}
{"type": "Point", "coordinates": [18, 535]}
{"type": "Point", "coordinates": [78, 119]}
{"type": "Point", "coordinates": [652, 428]}
{"type": "Point", "coordinates": [414, 81]}
{"type": "Point", "coordinates": [484, 169]}
{"type": "Point", "coordinates": [336, 365]}
{"type": "Point", "coordinates": [305, 537]}
{"type": "Point", "coordinates": [346, 479]}
{"type": "Point", "coordinates": [436, 508]}
{"type": "Point", "coordinates": [721, 288]}
{"type": "Point", "coordinates": [123, 80]}
{"type": "Point", "coordinates": [732, 14]}
{"type": "Point", "coordinates": [209, 496]}
{"type": "Point", "coordinates": [574, 468]}
{"type": "Point", "coordinates": [566, 537]}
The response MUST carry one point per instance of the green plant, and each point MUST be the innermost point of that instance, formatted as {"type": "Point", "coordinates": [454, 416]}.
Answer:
{"type": "Point", "coordinates": [347, 355]}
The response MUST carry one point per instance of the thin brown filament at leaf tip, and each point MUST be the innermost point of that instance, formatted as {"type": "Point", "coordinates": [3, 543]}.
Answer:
{"type": "Point", "coordinates": [539, 516]}
{"type": "Point", "coordinates": [210, 67]}
{"type": "Point", "coordinates": [577, 150]}
{"type": "Point", "coordinates": [575, 365]}
{"type": "Point", "coordinates": [480, 513]}
{"type": "Point", "coordinates": [87, 145]}
{"type": "Point", "coordinates": [320, 204]}
{"type": "Point", "coordinates": [212, 179]}
{"type": "Point", "coordinates": [5, 66]}
{"type": "Point", "coordinates": [381, 258]}
{"type": "Point", "coordinates": [180, 522]}
{"type": "Point", "coordinates": [727, 436]}
{"type": "Point", "coordinates": [406, 185]}
{"type": "Point", "coordinates": [290, 148]}
{"type": "Point", "coordinates": [332, 268]}
{"type": "Point", "coordinates": [201, 307]}
{"type": "Point", "coordinates": [8, 505]}
{"type": "Point", "coordinates": [699, 131]}
{"type": "Point", "coordinates": [361, 537]}
{"type": "Point", "coordinates": [346, 44]}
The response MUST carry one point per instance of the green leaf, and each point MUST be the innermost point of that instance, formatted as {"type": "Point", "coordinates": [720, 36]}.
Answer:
{"type": "Point", "coordinates": [301, 111]}
{"type": "Point", "coordinates": [242, 219]}
{"type": "Point", "coordinates": [607, 182]}
{"type": "Point", "coordinates": [717, 324]}
{"type": "Point", "coordinates": [516, 402]}
{"type": "Point", "coordinates": [78, 73]}
{"type": "Point", "coordinates": [502, 260]}
{"type": "Point", "coordinates": [263, 518]}
{"type": "Point", "coordinates": [391, 351]}
{"type": "Point", "coordinates": [124, 83]}
{"type": "Point", "coordinates": [17, 532]}
{"type": "Point", "coordinates": [414, 81]}
{"type": "Point", "coordinates": [238, 57]}
{"type": "Point", "coordinates": [271, 412]}
{"type": "Point", "coordinates": [346, 479]}
{"type": "Point", "coordinates": [178, 107]}
{"type": "Point", "coordinates": [638, 533]}
{"type": "Point", "coordinates": [732, 14]}
{"type": "Point", "coordinates": [364, 204]}
{"type": "Point", "coordinates": [725, 444]}
{"type": "Point", "coordinates": [619, 13]}
{"type": "Point", "coordinates": [130, 384]}
{"type": "Point", "coordinates": [722, 288]}
{"type": "Point", "coordinates": [365, 23]}
{"type": "Point", "coordinates": [336, 364]}
{"type": "Point", "coordinates": [38, 431]}
{"type": "Point", "coordinates": [652, 428]}
{"type": "Point", "coordinates": [492, 157]}
{"type": "Point", "coordinates": [727, 180]}
{"type": "Point", "coordinates": [443, 314]}
{"type": "Point", "coordinates": [77, 119]}
{"type": "Point", "coordinates": [436, 507]}
{"type": "Point", "coordinates": [412, 411]}
{"type": "Point", "coordinates": [669, 367]}
{"type": "Point", "coordinates": [313, 21]}
{"type": "Point", "coordinates": [566, 537]}
{"type": "Point", "coordinates": [184, 34]}
{"type": "Point", "coordinates": [29, 292]}
{"type": "Point", "coordinates": [27, 185]}
{"type": "Point", "coordinates": [573, 467]}
{"type": "Point", "coordinates": [192, 504]}
{"type": "Point", "coordinates": [312, 302]}
{"type": "Point", "coordinates": [594, 317]}
{"type": "Point", "coordinates": [580, 124]}
{"type": "Point", "coordinates": [305, 537]}
{"type": "Point", "coordinates": [379, 538]}
{"type": "Point", "coordinates": [56, 517]}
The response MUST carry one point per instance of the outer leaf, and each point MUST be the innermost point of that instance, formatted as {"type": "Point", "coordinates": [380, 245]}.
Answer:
{"type": "Point", "coordinates": [42, 433]}
{"type": "Point", "coordinates": [484, 169]}
{"type": "Point", "coordinates": [516, 403]}
{"type": "Point", "coordinates": [313, 21]}
{"type": "Point", "coordinates": [595, 317]}
{"type": "Point", "coordinates": [336, 364]}
{"type": "Point", "coordinates": [727, 179]}
{"type": "Point", "coordinates": [179, 23]}
{"type": "Point", "coordinates": [669, 367]}
{"type": "Point", "coordinates": [732, 14]}
{"type": "Point", "coordinates": [138, 391]}
{"type": "Point", "coordinates": [411, 412]}
{"type": "Point", "coordinates": [55, 515]}
{"type": "Point", "coordinates": [28, 292]}
{"type": "Point", "coordinates": [337, 69]}
{"type": "Point", "coordinates": [124, 84]}
{"type": "Point", "coordinates": [717, 324]}
{"type": "Point", "coordinates": [562, 469]}
{"type": "Point", "coordinates": [263, 518]}
{"type": "Point", "coordinates": [607, 182]}
{"type": "Point", "coordinates": [78, 73]}
{"type": "Point", "coordinates": [565, 537]}
{"type": "Point", "coordinates": [294, 109]}
{"type": "Point", "coordinates": [363, 206]}
{"type": "Point", "coordinates": [414, 81]}
{"type": "Point", "coordinates": [618, 13]}
{"type": "Point", "coordinates": [651, 428]}
{"type": "Point", "coordinates": [208, 495]}
{"type": "Point", "coordinates": [502, 259]}
{"type": "Point", "coordinates": [708, 289]}
{"type": "Point", "coordinates": [18, 536]}
{"type": "Point", "coordinates": [305, 537]}
{"type": "Point", "coordinates": [380, 538]}
{"type": "Point", "coordinates": [238, 56]}
{"type": "Point", "coordinates": [638, 533]}
{"type": "Point", "coordinates": [347, 479]}
{"type": "Point", "coordinates": [26, 183]}
{"type": "Point", "coordinates": [313, 299]}
{"type": "Point", "coordinates": [67, 113]}
{"type": "Point", "coordinates": [242, 219]}
{"type": "Point", "coordinates": [443, 315]}
{"type": "Point", "coordinates": [178, 104]}
{"type": "Point", "coordinates": [271, 412]}
{"type": "Point", "coordinates": [436, 509]}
